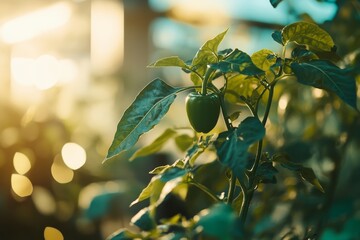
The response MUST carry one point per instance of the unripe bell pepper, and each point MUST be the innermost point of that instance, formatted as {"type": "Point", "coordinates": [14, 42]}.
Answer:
{"type": "Point", "coordinates": [203, 111]}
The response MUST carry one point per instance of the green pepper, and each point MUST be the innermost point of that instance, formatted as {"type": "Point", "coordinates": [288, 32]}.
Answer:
{"type": "Point", "coordinates": [203, 111]}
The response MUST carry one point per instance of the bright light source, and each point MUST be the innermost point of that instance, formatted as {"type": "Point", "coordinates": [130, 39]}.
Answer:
{"type": "Point", "coordinates": [74, 155]}
{"type": "Point", "coordinates": [21, 185]}
{"type": "Point", "coordinates": [21, 163]}
{"type": "Point", "coordinates": [33, 24]}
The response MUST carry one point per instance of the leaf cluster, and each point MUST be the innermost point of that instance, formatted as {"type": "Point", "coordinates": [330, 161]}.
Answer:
{"type": "Point", "coordinates": [247, 81]}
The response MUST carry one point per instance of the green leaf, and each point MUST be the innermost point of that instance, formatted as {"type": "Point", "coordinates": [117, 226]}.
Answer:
{"type": "Point", "coordinates": [274, 3]}
{"type": "Point", "coordinates": [152, 190]}
{"type": "Point", "coordinates": [207, 54]}
{"type": "Point", "coordinates": [276, 35]}
{"type": "Point", "coordinates": [303, 54]}
{"type": "Point", "coordinates": [218, 221]}
{"type": "Point", "coordinates": [238, 61]}
{"type": "Point", "coordinates": [309, 34]}
{"type": "Point", "coordinates": [123, 234]}
{"type": "Point", "coordinates": [240, 85]}
{"type": "Point", "coordinates": [326, 75]}
{"type": "Point", "coordinates": [160, 169]}
{"type": "Point", "coordinates": [101, 207]}
{"type": "Point", "coordinates": [232, 146]}
{"type": "Point", "coordinates": [184, 141]}
{"type": "Point", "coordinates": [266, 173]}
{"type": "Point", "coordinates": [173, 61]}
{"type": "Point", "coordinates": [173, 173]}
{"type": "Point", "coordinates": [308, 175]}
{"type": "Point", "coordinates": [155, 146]}
{"type": "Point", "coordinates": [144, 113]}
{"type": "Point", "coordinates": [286, 163]}
{"type": "Point", "coordinates": [143, 220]}
{"type": "Point", "coordinates": [262, 60]}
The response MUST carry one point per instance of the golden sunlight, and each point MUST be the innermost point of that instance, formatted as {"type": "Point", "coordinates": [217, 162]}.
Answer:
{"type": "Point", "coordinates": [33, 24]}
{"type": "Point", "coordinates": [42, 72]}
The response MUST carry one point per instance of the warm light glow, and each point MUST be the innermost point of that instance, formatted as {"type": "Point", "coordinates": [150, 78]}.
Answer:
{"type": "Point", "coordinates": [60, 172]}
{"type": "Point", "coordinates": [74, 155]}
{"type": "Point", "coordinates": [200, 11]}
{"type": "Point", "coordinates": [21, 185]}
{"type": "Point", "coordinates": [42, 72]}
{"type": "Point", "coordinates": [107, 35]}
{"type": "Point", "coordinates": [43, 201]}
{"type": "Point", "coordinates": [51, 233]}
{"type": "Point", "coordinates": [317, 93]}
{"type": "Point", "coordinates": [46, 71]}
{"type": "Point", "coordinates": [283, 102]}
{"type": "Point", "coordinates": [21, 163]}
{"type": "Point", "coordinates": [33, 24]}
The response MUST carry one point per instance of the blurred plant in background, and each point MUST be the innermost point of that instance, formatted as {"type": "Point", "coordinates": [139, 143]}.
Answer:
{"type": "Point", "coordinates": [68, 70]}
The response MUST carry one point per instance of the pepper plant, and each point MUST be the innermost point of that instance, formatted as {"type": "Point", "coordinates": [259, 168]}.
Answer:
{"type": "Point", "coordinates": [307, 53]}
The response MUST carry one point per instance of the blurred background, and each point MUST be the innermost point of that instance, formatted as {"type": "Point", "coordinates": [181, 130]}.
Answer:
{"type": "Point", "coordinates": [68, 70]}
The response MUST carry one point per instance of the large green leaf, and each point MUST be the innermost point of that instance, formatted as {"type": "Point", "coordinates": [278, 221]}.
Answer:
{"type": "Point", "coordinates": [232, 146]}
{"type": "Point", "coordinates": [309, 34]}
{"type": "Point", "coordinates": [155, 146]}
{"type": "Point", "coordinates": [238, 61]}
{"type": "Point", "coordinates": [207, 54]}
{"type": "Point", "coordinates": [145, 112]}
{"type": "Point", "coordinates": [326, 75]}
{"type": "Point", "coordinates": [173, 61]}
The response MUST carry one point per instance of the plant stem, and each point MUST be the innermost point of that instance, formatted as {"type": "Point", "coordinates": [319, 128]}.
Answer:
{"type": "Point", "coordinates": [225, 114]}
{"type": "Point", "coordinates": [232, 185]}
{"type": "Point", "coordinates": [205, 190]}
{"type": "Point", "coordinates": [229, 126]}
{"type": "Point", "coordinates": [248, 193]}
{"type": "Point", "coordinates": [209, 71]}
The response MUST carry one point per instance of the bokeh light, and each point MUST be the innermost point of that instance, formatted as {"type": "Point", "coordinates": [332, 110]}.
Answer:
{"type": "Point", "coordinates": [21, 185]}
{"type": "Point", "coordinates": [74, 155]}
{"type": "Point", "coordinates": [51, 233]}
{"type": "Point", "coordinates": [60, 172]}
{"type": "Point", "coordinates": [35, 23]}
{"type": "Point", "coordinates": [22, 163]}
{"type": "Point", "coordinates": [42, 72]}
{"type": "Point", "coordinates": [43, 200]}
